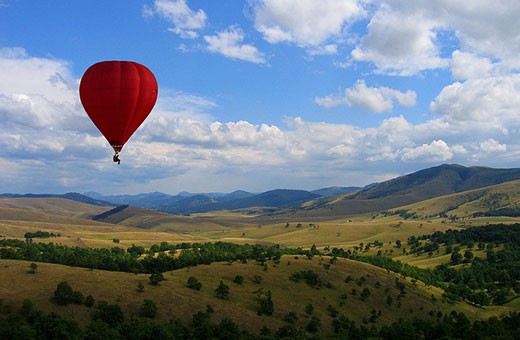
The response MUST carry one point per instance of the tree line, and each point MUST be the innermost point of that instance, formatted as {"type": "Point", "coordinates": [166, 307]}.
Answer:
{"type": "Point", "coordinates": [135, 259]}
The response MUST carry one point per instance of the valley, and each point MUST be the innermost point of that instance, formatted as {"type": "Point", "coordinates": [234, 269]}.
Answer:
{"type": "Point", "coordinates": [372, 245]}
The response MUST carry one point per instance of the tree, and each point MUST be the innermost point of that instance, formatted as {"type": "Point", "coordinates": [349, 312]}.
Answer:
{"type": "Point", "coordinates": [89, 301]}
{"type": "Point", "coordinates": [456, 257]}
{"type": "Point", "coordinates": [155, 278]}
{"type": "Point", "coordinates": [63, 294]}
{"type": "Point", "coordinates": [313, 325]}
{"type": "Point", "coordinates": [148, 309]}
{"type": "Point", "coordinates": [257, 279]}
{"type": "Point", "coordinates": [239, 279]}
{"type": "Point", "coordinates": [265, 304]}
{"type": "Point", "coordinates": [468, 256]}
{"type": "Point", "coordinates": [110, 314]}
{"type": "Point", "coordinates": [33, 267]}
{"type": "Point", "coordinates": [365, 293]}
{"type": "Point", "coordinates": [193, 283]}
{"type": "Point", "coordinates": [222, 291]}
{"type": "Point", "coordinates": [389, 300]}
{"type": "Point", "coordinates": [228, 329]}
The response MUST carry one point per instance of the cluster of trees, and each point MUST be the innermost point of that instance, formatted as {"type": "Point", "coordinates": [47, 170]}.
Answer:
{"type": "Point", "coordinates": [310, 277]}
{"type": "Point", "coordinates": [40, 234]}
{"type": "Point", "coordinates": [157, 259]}
{"type": "Point", "coordinates": [109, 322]}
{"type": "Point", "coordinates": [493, 279]}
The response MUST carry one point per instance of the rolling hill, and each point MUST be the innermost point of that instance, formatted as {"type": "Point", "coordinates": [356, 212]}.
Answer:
{"type": "Point", "coordinates": [419, 186]}
{"type": "Point", "coordinates": [174, 299]}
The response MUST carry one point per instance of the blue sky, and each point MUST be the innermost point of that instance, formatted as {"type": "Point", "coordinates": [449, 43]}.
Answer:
{"type": "Point", "coordinates": [260, 94]}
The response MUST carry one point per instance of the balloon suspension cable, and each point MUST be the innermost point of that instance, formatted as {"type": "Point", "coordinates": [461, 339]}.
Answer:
{"type": "Point", "coordinates": [116, 158]}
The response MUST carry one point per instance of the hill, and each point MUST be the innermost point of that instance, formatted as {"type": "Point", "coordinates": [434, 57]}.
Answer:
{"type": "Point", "coordinates": [279, 198]}
{"type": "Point", "coordinates": [335, 191]}
{"type": "Point", "coordinates": [73, 196]}
{"type": "Point", "coordinates": [48, 205]}
{"type": "Point", "coordinates": [415, 187]}
{"type": "Point", "coordinates": [157, 221]}
{"type": "Point", "coordinates": [144, 200]}
{"type": "Point", "coordinates": [330, 295]}
{"type": "Point", "coordinates": [491, 201]}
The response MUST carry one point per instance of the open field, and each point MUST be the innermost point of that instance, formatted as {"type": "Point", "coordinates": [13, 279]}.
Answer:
{"type": "Point", "coordinates": [344, 233]}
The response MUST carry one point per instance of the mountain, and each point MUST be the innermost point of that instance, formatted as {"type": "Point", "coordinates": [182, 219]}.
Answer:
{"type": "Point", "coordinates": [334, 191]}
{"type": "Point", "coordinates": [279, 198]}
{"type": "Point", "coordinates": [144, 200]}
{"type": "Point", "coordinates": [415, 187]}
{"type": "Point", "coordinates": [496, 200]}
{"type": "Point", "coordinates": [437, 181]}
{"type": "Point", "coordinates": [73, 196]}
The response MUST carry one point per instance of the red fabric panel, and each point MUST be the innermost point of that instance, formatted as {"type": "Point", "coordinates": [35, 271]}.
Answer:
{"type": "Point", "coordinates": [118, 96]}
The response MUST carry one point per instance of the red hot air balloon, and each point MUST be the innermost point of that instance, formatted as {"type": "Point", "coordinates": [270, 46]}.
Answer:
{"type": "Point", "coordinates": [118, 96]}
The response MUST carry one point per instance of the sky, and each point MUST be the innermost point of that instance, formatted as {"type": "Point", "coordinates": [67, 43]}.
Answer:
{"type": "Point", "coordinates": [260, 94]}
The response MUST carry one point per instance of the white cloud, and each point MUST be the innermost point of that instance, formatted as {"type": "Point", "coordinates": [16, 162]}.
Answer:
{"type": "Point", "coordinates": [436, 151]}
{"type": "Point", "coordinates": [405, 38]}
{"type": "Point", "coordinates": [229, 44]}
{"type": "Point", "coordinates": [306, 23]}
{"type": "Point", "coordinates": [372, 99]}
{"type": "Point", "coordinates": [487, 27]}
{"type": "Point", "coordinates": [493, 101]}
{"type": "Point", "coordinates": [469, 66]}
{"type": "Point", "coordinates": [186, 22]}
{"type": "Point", "coordinates": [44, 130]}
{"type": "Point", "coordinates": [401, 43]}
{"type": "Point", "coordinates": [492, 145]}
{"type": "Point", "coordinates": [324, 50]}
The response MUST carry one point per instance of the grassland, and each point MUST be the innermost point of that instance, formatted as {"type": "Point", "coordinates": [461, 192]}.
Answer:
{"type": "Point", "coordinates": [174, 299]}
{"type": "Point", "coordinates": [145, 227]}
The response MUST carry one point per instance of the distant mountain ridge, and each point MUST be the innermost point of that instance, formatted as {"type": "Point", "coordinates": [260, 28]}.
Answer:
{"type": "Point", "coordinates": [437, 181]}
{"type": "Point", "coordinates": [188, 203]}
{"type": "Point", "coordinates": [433, 182]}
{"type": "Point", "coordinates": [73, 196]}
{"type": "Point", "coordinates": [425, 184]}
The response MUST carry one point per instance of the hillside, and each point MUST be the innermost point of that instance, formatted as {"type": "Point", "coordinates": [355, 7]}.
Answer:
{"type": "Point", "coordinates": [159, 221]}
{"type": "Point", "coordinates": [174, 299]}
{"type": "Point", "coordinates": [492, 201]}
{"type": "Point", "coordinates": [279, 198]}
{"type": "Point", "coordinates": [64, 207]}
{"type": "Point", "coordinates": [73, 196]}
{"type": "Point", "coordinates": [415, 187]}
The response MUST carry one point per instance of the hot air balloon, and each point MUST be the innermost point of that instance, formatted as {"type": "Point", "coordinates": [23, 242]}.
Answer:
{"type": "Point", "coordinates": [118, 96]}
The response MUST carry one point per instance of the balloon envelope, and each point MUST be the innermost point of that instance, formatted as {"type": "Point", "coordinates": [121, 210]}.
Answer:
{"type": "Point", "coordinates": [118, 96]}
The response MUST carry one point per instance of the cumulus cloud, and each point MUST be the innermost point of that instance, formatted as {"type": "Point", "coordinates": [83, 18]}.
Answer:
{"type": "Point", "coordinates": [436, 151]}
{"type": "Point", "coordinates": [466, 65]}
{"type": "Point", "coordinates": [44, 130]}
{"type": "Point", "coordinates": [493, 101]}
{"type": "Point", "coordinates": [406, 38]}
{"type": "Point", "coordinates": [372, 99]}
{"type": "Point", "coordinates": [487, 27]}
{"type": "Point", "coordinates": [400, 43]}
{"type": "Point", "coordinates": [186, 22]}
{"type": "Point", "coordinates": [229, 43]}
{"type": "Point", "coordinates": [492, 145]}
{"type": "Point", "coordinates": [306, 23]}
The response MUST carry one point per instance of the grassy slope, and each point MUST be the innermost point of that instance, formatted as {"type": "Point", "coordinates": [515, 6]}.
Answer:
{"type": "Point", "coordinates": [52, 206]}
{"type": "Point", "coordinates": [336, 233]}
{"type": "Point", "coordinates": [467, 203]}
{"type": "Point", "coordinates": [174, 299]}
